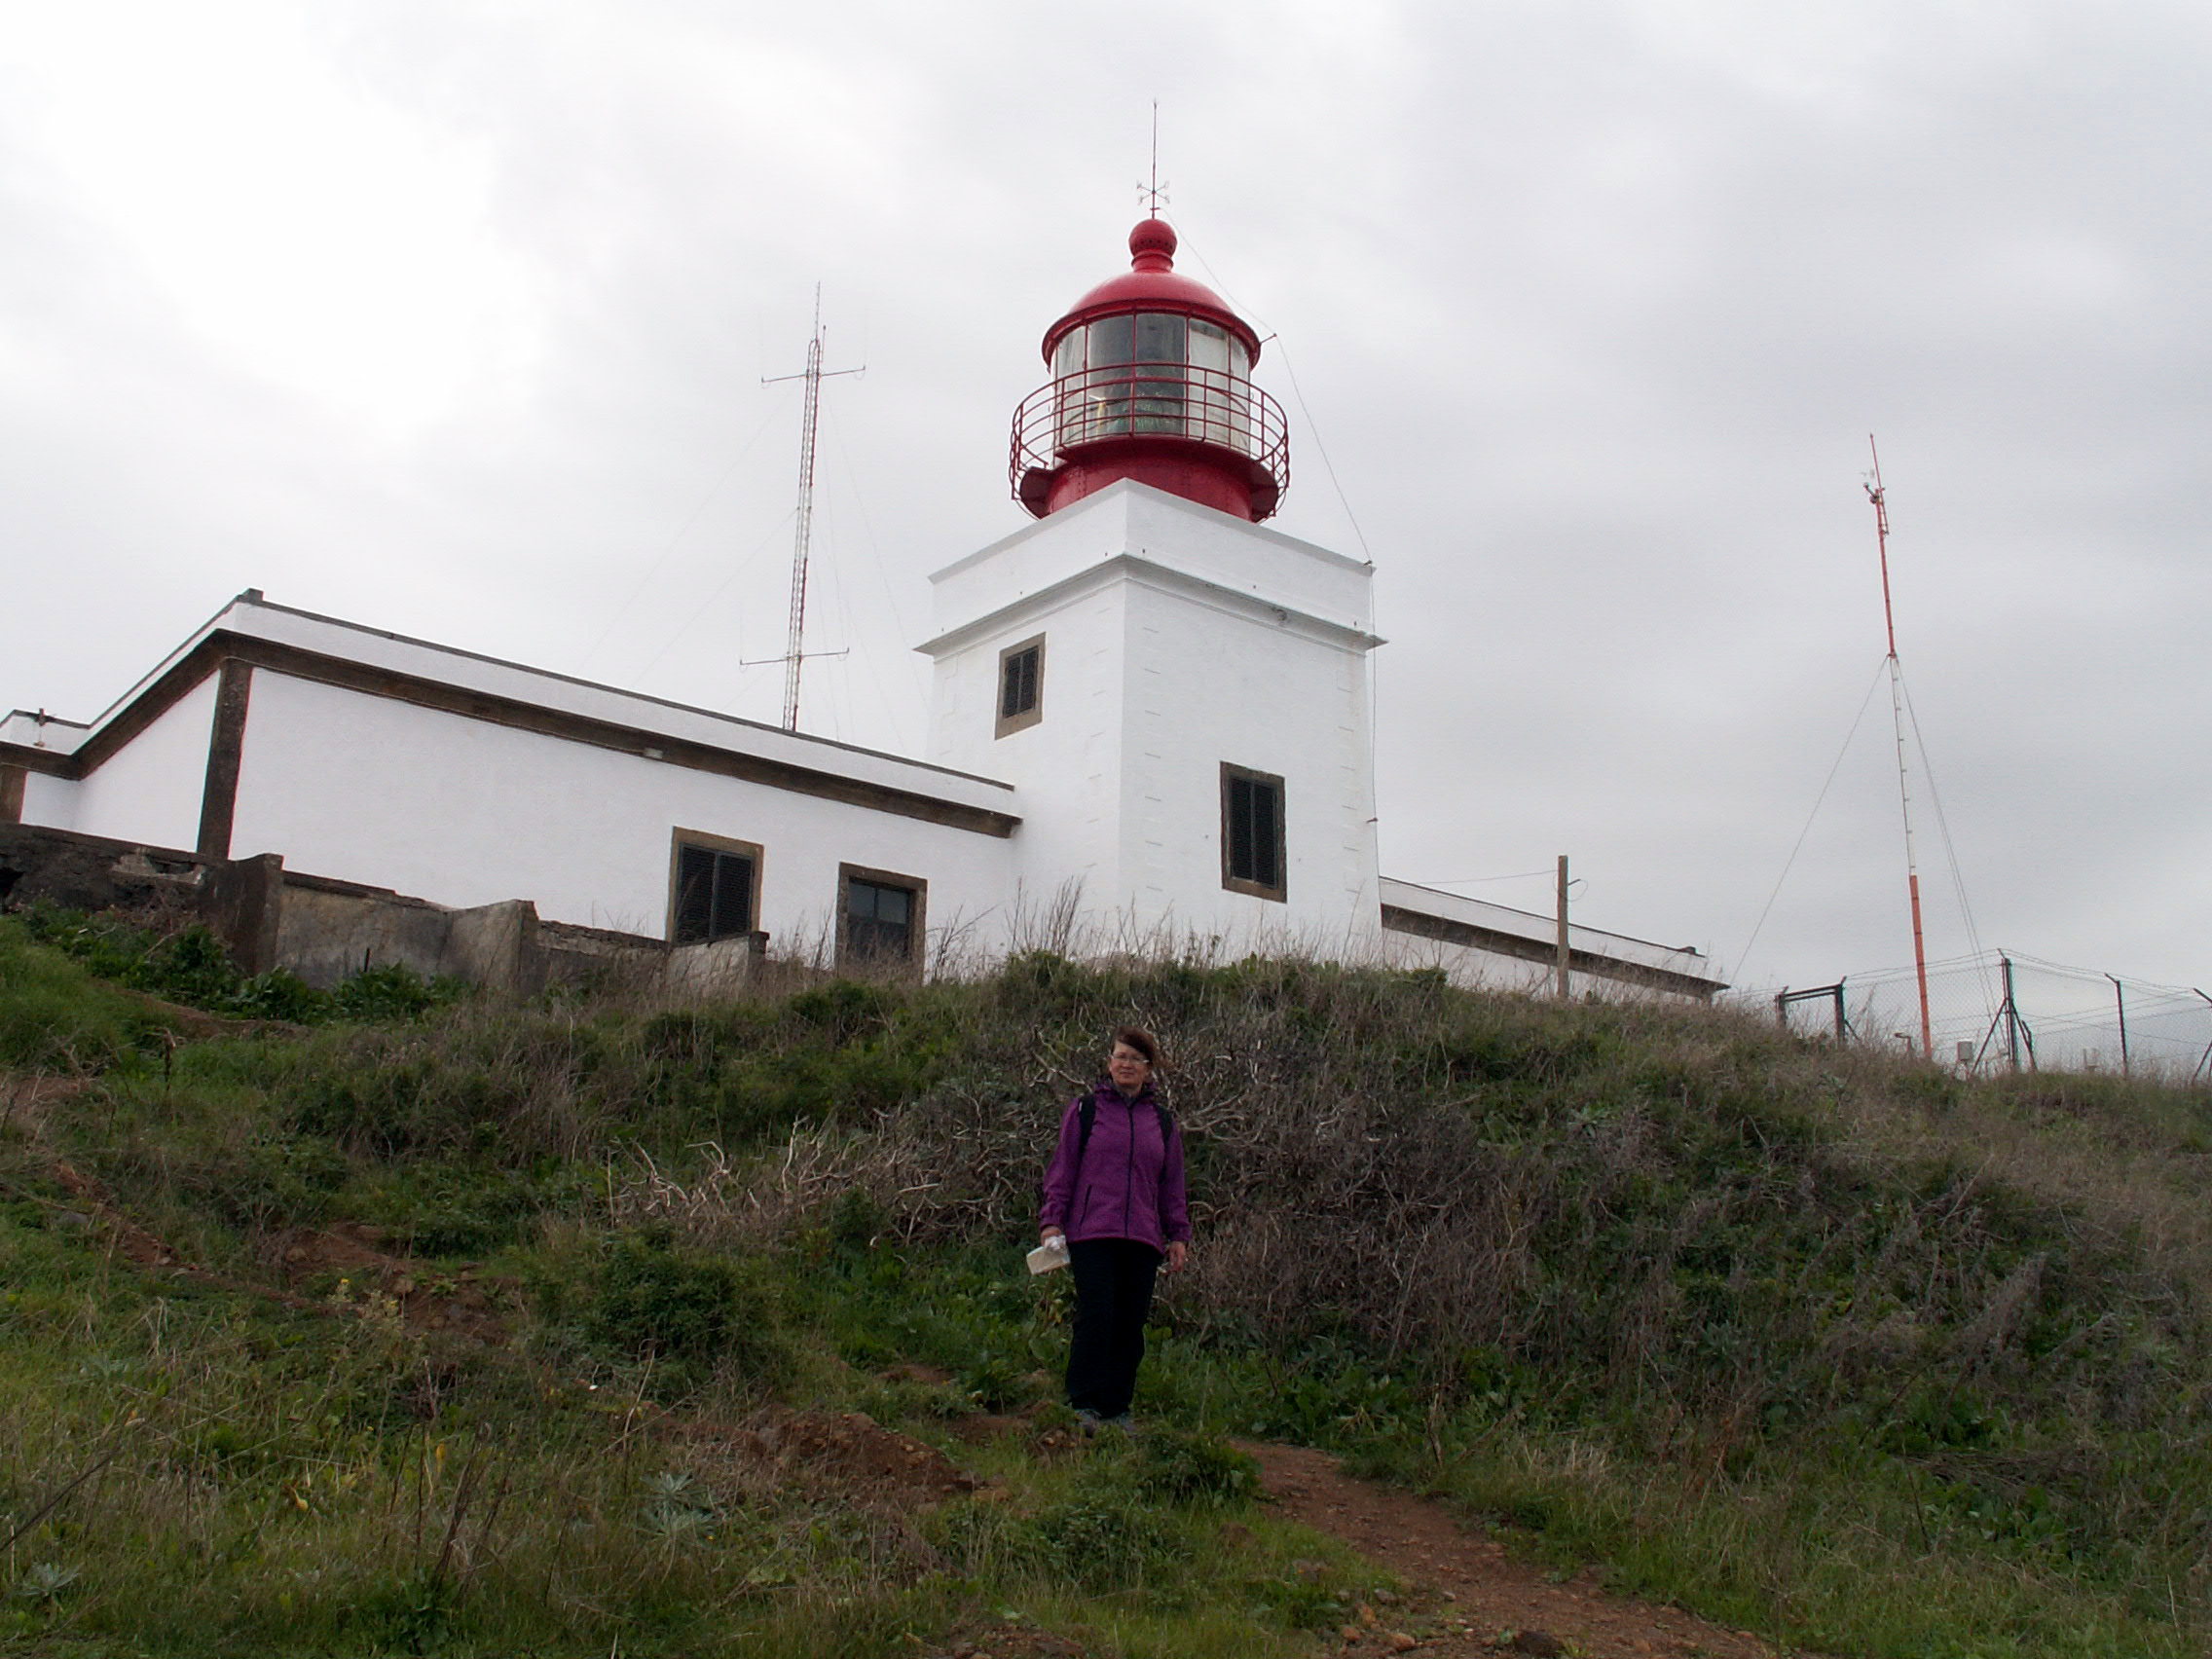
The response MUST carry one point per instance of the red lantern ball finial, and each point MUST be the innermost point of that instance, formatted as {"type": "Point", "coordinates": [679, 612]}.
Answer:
{"type": "Point", "coordinates": [1151, 247]}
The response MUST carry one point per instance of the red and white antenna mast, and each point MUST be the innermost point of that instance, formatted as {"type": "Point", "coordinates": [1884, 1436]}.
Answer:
{"type": "Point", "coordinates": [1896, 717]}
{"type": "Point", "coordinates": [794, 652]}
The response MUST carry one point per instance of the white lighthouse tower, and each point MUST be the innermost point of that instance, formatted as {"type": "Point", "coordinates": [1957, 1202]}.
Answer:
{"type": "Point", "coordinates": [1179, 696]}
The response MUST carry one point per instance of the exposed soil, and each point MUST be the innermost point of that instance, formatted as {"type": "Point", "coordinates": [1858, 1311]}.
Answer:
{"type": "Point", "coordinates": [844, 1455]}
{"type": "Point", "coordinates": [1467, 1596]}
{"type": "Point", "coordinates": [428, 1298]}
{"type": "Point", "coordinates": [194, 1025]}
{"type": "Point", "coordinates": [1016, 1642]}
{"type": "Point", "coordinates": [28, 1092]}
{"type": "Point", "coordinates": [132, 1241]}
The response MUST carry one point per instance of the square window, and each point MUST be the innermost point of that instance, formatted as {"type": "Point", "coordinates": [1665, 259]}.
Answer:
{"type": "Point", "coordinates": [879, 917]}
{"type": "Point", "coordinates": [1252, 832]}
{"type": "Point", "coordinates": [1021, 686]}
{"type": "Point", "coordinates": [714, 888]}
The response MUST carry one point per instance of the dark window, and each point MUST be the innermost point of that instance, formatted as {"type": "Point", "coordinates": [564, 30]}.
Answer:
{"type": "Point", "coordinates": [1017, 683]}
{"type": "Point", "coordinates": [715, 890]}
{"type": "Point", "coordinates": [1251, 833]}
{"type": "Point", "coordinates": [879, 917]}
{"type": "Point", "coordinates": [1021, 685]}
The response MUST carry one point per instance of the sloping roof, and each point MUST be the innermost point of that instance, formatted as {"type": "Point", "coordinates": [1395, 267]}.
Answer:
{"type": "Point", "coordinates": [382, 663]}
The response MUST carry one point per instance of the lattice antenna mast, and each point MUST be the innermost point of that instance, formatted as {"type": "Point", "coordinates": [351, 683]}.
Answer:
{"type": "Point", "coordinates": [795, 651]}
{"type": "Point", "coordinates": [1896, 717]}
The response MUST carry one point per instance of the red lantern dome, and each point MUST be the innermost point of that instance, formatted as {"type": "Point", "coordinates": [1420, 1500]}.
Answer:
{"type": "Point", "coordinates": [1152, 379]}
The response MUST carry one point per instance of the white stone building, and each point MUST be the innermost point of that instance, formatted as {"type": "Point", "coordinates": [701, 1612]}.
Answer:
{"type": "Point", "coordinates": [1150, 730]}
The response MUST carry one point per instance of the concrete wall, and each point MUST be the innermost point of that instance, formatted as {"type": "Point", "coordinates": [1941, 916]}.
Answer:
{"type": "Point", "coordinates": [147, 792]}
{"type": "Point", "coordinates": [49, 801]}
{"type": "Point", "coordinates": [43, 864]}
{"type": "Point", "coordinates": [1176, 638]}
{"type": "Point", "coordinates": [1472, 968]}
{"type": "Point", "coordinates": [1209, 683]}
{"type": "Point", "coordinates": [1131, 518]}
{"type": "Point", "coordinates": [1479, 943]}
{"type": "Point", "coordinates": [328, 930]}
{"type": "Point", "coordinates": [468, 812]}
{"type": "Point", "coordinates": [326, 935]}
{"type": "Point", "coordinates": [1068, 768]}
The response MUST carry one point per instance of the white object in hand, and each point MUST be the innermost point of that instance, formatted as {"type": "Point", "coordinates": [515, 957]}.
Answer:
{"type": "Point", "coordinates": [1053, 1253]}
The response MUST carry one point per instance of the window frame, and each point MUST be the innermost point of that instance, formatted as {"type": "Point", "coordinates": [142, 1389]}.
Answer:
{"type": "Point", "coordinates": [729, 846]}
{"type": "Point", "coordinates": [917, 917]}
{"type": "Point", "coordinates": [1278, 890]}
{"type": "Point", "coordinates": [1006, 724]}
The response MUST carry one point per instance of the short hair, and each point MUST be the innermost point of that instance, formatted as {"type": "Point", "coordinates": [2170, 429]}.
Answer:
{"type": "Point", "coordinates": [1142, 1040]}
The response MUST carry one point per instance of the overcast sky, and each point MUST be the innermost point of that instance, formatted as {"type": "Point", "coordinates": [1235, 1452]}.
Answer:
{"type": "Point", "coordinates": [451, 317]}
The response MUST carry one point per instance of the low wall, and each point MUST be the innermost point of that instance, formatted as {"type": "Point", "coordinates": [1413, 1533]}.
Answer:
{"type": "Point", "coordinates": [326, 931]}
{"type": "Point", "coordinates": [88, 872]}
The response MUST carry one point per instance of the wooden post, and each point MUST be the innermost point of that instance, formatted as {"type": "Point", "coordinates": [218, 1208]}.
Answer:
{"type": "Point", "coordinates": [2012, 1012]}
{"type": "Point", "coordinates": [1565, 978]}
{"type": "Point", "coordinates": [2119, 996]}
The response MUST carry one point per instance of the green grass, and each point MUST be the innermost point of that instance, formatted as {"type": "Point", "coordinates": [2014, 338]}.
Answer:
{"type": "Point", "coordinates": [55, 1019]}
{"type": "Point", "coordinates": [1826, 1346]}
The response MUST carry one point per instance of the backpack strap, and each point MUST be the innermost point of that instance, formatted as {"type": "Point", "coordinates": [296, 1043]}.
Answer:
{"type": "Point", "coordinates": [1086, 1118]}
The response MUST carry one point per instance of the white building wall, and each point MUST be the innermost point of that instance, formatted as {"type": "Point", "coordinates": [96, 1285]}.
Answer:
{"type": "Point", "coordinates": [1070, 763]}
{"type": "Point", "coordinates": [1209, 685]}
{"type": "Point", "coordinates": [1472, 965]}
{"type": "Point", "coordinates": [1176, 638]}
{"type": "Point", "coordinates": [148, 790]}
{"type": "Point", "coordinates": [49, 801]}
{"type": "Point", "coordinates": [466, 812]}
{"type": "Point", "coordinates": [1472, 968]}
{"type": "Point", "coordinates": [1130, 518]}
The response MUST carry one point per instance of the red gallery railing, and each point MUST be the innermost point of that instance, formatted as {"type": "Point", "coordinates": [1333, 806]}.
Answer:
{"type": "Point", "coordinates": [1148, 400]}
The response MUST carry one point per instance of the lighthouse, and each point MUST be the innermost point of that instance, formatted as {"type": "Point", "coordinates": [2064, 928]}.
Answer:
{"type": "Point", "coordinates": [1178, 692]}
{"type": "Point", "coordinates": [1152, 379]}
{"type": "Point", "coordinates": [1149, 731]}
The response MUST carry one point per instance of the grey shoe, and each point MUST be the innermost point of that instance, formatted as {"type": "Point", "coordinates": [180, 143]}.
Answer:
{"type": "Point", "coordinates": [1122, 1421]}
{"type": "Point", "coordinates": [1088, 1421]}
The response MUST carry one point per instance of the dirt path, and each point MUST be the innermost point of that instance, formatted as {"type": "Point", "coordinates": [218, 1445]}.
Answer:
{"type": "Point", "coordinates": [1467, 1597]}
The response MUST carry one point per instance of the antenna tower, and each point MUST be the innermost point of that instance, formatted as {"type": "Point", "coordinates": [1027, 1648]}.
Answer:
{"type": "Point", "coordinates": [1897, 718]}
{"type": "Point", "coordinates": [814, 375]}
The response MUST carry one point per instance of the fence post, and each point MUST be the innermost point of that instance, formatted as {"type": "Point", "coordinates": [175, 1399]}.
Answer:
{"type": "Point", "coordinates": [1833, 994]}
{"type": "Point", "coordinates": [2119, 997]}
{"type": "Point", "coordinates": [2012, 1017]}
{"type": "Point", "coordinates": [1566, 953]}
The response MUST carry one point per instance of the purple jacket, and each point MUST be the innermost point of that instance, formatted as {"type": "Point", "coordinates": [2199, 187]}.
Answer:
{"type": "Point", "coordinates": [1127, 1183]}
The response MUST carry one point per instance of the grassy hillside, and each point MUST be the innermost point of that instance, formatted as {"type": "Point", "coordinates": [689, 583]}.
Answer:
{"type": "Point", "coordinates": [442, 1327]}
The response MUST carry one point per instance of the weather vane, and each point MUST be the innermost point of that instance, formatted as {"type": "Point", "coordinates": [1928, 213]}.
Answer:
{"type": "Point", "coordinates": [1155, 194]}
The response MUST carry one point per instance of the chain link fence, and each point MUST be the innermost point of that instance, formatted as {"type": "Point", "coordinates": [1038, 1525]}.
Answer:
{"type": "Point", "coordinates": [2004, 1011]}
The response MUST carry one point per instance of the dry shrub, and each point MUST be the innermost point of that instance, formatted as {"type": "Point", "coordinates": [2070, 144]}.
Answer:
{"type": "Point", "coordinates": [1669, 1206]}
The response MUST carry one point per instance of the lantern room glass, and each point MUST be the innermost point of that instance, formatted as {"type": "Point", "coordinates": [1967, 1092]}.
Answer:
{"type": "Point", "coordinates": [1112, 383]}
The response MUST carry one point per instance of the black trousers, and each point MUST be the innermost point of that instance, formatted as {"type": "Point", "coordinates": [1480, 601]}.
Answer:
{"type": "Point", "coordinates": [1113, 1294]}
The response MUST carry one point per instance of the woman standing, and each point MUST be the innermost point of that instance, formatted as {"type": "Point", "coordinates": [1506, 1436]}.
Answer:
{"type": "Point", "coordinates": [1115, 1191]}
